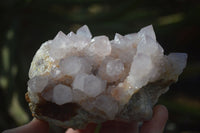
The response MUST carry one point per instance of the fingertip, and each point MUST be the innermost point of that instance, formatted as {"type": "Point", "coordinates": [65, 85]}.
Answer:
{"type": "Point", "coordinates": [161, 107]}
{"type": "Point", "coordinates": [161, 111]}
{"type": "Point", "coordinates": [70, 130]}
{"type": "Point", "coordinates": [158, 121]}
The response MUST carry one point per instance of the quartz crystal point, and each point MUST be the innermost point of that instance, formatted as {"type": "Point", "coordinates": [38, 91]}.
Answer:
{"type": "Point", "coordinates": [76, 79]}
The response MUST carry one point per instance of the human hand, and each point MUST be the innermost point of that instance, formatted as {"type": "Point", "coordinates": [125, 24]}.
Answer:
{"type": "Point", "coordinates": [155, 125]}
{"type": "Point", "coordinates": [35, 126]}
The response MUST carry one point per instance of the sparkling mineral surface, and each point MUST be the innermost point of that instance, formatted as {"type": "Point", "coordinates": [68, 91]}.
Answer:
{"type": "Point", "coordinates": [76, 79]}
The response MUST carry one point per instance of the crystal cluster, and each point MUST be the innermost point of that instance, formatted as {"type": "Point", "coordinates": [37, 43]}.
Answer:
{"type": "Point", "coordinates": [99, 79]}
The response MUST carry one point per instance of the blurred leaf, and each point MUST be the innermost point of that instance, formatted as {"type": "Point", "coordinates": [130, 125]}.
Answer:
{"type": "Point", "coordinates": [17, 112]}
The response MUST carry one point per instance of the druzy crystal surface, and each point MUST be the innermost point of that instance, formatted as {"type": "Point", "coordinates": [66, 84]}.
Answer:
{"type": "Point", "coordinates": [76, 79]}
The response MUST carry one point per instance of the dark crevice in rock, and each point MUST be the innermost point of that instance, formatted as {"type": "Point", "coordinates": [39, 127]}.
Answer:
{"type": "Point", "coordinates": [59, 112]}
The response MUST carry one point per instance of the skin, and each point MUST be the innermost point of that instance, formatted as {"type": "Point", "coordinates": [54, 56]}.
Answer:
{"type": "Point", "coordinates": [155, 125]}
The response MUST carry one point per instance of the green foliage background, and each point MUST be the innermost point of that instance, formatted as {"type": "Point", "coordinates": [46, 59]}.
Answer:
{"type": "Point", "coordinates": [25, 24]}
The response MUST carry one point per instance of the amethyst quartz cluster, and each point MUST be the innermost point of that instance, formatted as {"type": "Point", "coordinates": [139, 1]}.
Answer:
{"type": "Point", "coordinates": [76, 79]}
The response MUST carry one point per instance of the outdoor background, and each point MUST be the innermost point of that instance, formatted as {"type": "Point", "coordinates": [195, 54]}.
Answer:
{"type": "Point", "coordinates": [26, 24]}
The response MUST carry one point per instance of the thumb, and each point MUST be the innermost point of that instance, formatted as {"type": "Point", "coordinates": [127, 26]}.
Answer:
{"type": "Point", "coordinates": [35, 126]}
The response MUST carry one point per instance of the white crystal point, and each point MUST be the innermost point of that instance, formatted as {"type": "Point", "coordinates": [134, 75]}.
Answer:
{"type": "Point", "coordinates": [37, 83]}
{"type": "Point", "coordinates": [89, 84]}
{"type": "Point", "coordinates": [84, 31]}
{"type": "Point", "coordinates": [124, 47]}
{"type": "Point", "coordinates": [60, 38]}
{"type": "Point", "coordinates": [99, 47]}
{"type": "Point", "coordinates": [178, 61]}
{"type": "Point", "coordinates": [114, 67]}
{"type": "Point", "coordinates": [142, 67]}
{"type": "Point", "coordinates": [118, 38]}
{"type": "Point", "coordinates": [71, 34]}
{"type": "Point", "coordinates": [107, 105]}
{"type": "Point", "coordinates": [59, 46]}
{"type": "Point", "coordinates": [111, 69]}
{"type": "Point", "coordinates": [62, 94]}
{"type": "Point", "coordinates": [149, 47]}
{"type": "Point", "coordinates": [121, 42]}
{"type": "Point", "coordinates": [78, 42]}
{"type": "Point", "coordinates": [73, 65]}
{"type": "Point", "coordinates": [148, 31]}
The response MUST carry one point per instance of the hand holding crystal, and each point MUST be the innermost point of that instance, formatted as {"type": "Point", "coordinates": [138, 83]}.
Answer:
{"type": "Point", "coordinates": [155, 125]}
